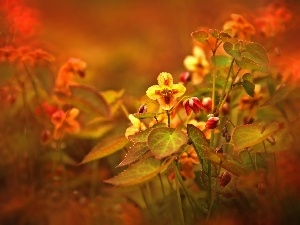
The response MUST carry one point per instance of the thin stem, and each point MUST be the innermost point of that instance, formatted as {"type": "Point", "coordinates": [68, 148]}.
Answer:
{"type": "Point", "coordinates": [251, 159]}
{"type": "Point", "coordinates": [226, 82]}
{"type": "Point", "coordinates": [169, 119]}
{"type": "Point", "coordinates": [182, 222]}
{"type": "Point", "coordinates": [146, 202]}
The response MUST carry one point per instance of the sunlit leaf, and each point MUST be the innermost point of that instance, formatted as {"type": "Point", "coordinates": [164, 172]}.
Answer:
{"type": "Point", "coordinates": [256, 52]}
{"type": "Point", "coordinates": [283, 141]}
{"type": "Point", "coordinates": [249, 135]}
{"type": "Point", "coordinates": [96, 129]}
{"type": "Point", "coordinates": [142, 136]}
{"type": "Point", "coordinates": [86, 98]}
{"type": "Point", "coordinates": [111, 95]}
{"type": "Point", "coordinates": [246, 63]}
{"type": "Point", "coordinates": [140, 172]}
{"type": "Point", "coordinates": [134, 153]}
{"type": "Point", "coordinates": [165, 141]}
{"type": "Point", "coordinates": [200, 36]}
{"type": "Point", "coordinates": [105, 148]}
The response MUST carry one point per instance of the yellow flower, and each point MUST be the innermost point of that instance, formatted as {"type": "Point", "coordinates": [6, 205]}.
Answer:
{"type": "Point", "coordinates": [136, 127]}
{"type": "Point", "coordinates": [165, 92]}
{"type": "Point", "coordinates": [64, 122]}
{"type": "Point", "coordinates": [197, 64]}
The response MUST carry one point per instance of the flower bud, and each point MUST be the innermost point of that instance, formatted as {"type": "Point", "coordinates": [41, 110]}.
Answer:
{"type": "Point", "coordinates": [185, 77]}
{"type": "Point", "coordinates": [212, 122]}
{"type": "Point", "coordinates": [207, 104]}
{"type": "Point", "coordinates": [224, 179]}
{"type": "Point", "coordinates": [192, 103]}
{"type": "Point", "coordinates": [227, 137]}
{"type": "Point", "coordinates": [142, 108]}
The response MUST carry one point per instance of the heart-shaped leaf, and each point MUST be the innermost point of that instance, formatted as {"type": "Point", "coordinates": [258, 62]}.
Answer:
{"type": "Point", "coordinates": [143, 135]}
{"type": "Point", "coordinates": [249, 135]}
{"type": "Point", "coordinates": [165, 141]}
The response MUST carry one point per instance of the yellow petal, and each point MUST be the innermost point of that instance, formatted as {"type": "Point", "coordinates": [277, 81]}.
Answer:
{"type": "Point", "coordinates": [153, 91]}
{"type": "Point", "coordinates": [165, 79]}
{"type": "Point", "coordinates": [178, 90]}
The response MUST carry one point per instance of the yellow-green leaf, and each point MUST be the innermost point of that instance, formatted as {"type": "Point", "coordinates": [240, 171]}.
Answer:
{"type": "Point", "coordinates": [134, 153]}
{"type": "Point", "coordinates": [140, 172]}
{"type": "Point", "coordinates": [165, 141]}
{"type": "Point", "coordinates": [249, 135]}
{"type": "Point", "coordinates": [106, 148]}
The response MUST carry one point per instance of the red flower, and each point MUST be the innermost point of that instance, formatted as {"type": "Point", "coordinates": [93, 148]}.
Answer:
{"type": "Point", "coordinates": [212, 122]}
{"type": "Point", "coordinates": [185, 77]}
{"type": "Point", "coordinates": [207, 104]}
{"type": "Point", "coordinates": [192, 103]}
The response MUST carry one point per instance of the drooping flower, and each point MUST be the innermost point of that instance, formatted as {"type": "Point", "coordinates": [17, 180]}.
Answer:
{"type": "Point", "coordinates": [166, 93]}
{"type": "Point", "coordinates": [240, 27]}
{"type": "Point", "coordinates": [207, 104]}
{"type": "Point", "coordinates": [192, 103]}
{"type": "Point", "coordinates": [197, 64]}
{"type": "Point", "coordinates": [185, 77]}
{"type": "Point", "coordinates": [64, 122]}
{"type": "Point", "coordinates": [212, 122]}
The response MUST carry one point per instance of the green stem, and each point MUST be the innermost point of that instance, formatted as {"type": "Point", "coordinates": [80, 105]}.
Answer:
{"type": "Point", "coordinates": [225, 85]}
{"type": "Point", "coordinates": [182, 222]}
{"type": "Point", "coordinates": [251, 159]}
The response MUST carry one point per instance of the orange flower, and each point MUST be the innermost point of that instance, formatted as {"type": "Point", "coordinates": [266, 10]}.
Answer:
{"type": "Point", "coordinates": [273, 20]}
{"type": "Point", "coordinates": [165, 92]}
{"type": "Point", "coordinates": [64, 122]}
{"type": "Point", "coordinates": [197, 64]}
{"type": "Point", "coordinates": [240, 27]}
{"type": "Point", "coordinates": [67, 72]}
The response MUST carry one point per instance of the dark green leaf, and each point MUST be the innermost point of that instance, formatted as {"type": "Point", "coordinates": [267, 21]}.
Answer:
{"type": "Point", "coordinates": [249, 87]}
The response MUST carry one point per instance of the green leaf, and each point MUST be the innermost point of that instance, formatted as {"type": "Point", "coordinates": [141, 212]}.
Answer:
{"type": "Point", "coordinates": [249, 87]}
{"type": "Point", "coordinates": [232, 50]}
{"type": "Point", "coordinates": [201, 146]}
{"type": "Point", "coordinates": [134, 153]}
{"type": "Point", "coordinates": [142, 136]}
{"type": "Point", "coordinates": [249, 135]}
{"type": "Point", "coordinates": [165, 141]}
{"type": "Point", "coordinates": [45, 78]}
{"type": "Point", "coordinates": [221, 60]}
{"type": "Point", "coordinates": [140, 172]}
{"type": "Point", "coordinates": [86, 98]}
{"type": "Point", "coordinates": [105, 148]}
{"type": "Point", "coordinates": [256, 161]}
{"type": "Point", "coordinates": [256, 52]}
{"type": "Point", "coordinates": [200, 36]}
{"type": "Point", "coordinates": [214, 33]}
{"type": "Point", "coordinates": [283, 142]}
{"type": "Point", "coordinates": [246, 63]}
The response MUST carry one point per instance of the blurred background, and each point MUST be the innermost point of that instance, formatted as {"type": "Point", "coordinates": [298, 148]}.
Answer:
{"type": "Point", "coordinates": [126, 44]}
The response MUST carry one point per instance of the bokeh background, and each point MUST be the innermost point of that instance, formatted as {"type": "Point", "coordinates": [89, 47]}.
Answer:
{"type": "Point", "coordinates": [126, 44]}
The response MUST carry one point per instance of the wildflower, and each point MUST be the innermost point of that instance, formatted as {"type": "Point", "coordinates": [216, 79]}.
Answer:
{"type": "Point", "coordinates": [197, 64]}
{"type": "Point", "coordinates": [136, 127]}
{"type": "Point", "coordinates": [212, 122]}
{"type": "Point", "coordinates": [240, 27]}
{"type": "Point", "coordinates": [224, 179]}
{"type": "Point", "coordinates": [46, 107]}
{"type": "Point", "coordinates": [165, 92]}
{"type": "Point", "coordinates": [192, 103]}
{"type": "Point", "coordinates": [66, 74]}
{"type": "Point", "coordinates": [64, 122]}
{"type": "Point", "coordinates": [273, 20]}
